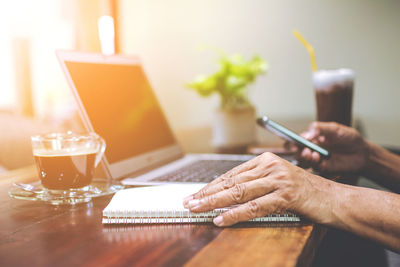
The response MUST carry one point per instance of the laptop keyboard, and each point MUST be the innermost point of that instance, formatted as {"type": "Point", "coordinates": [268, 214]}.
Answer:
{"type": "Point", "coordinates": [202, 171]}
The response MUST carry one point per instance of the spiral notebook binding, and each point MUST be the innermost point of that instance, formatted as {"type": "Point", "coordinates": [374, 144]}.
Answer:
{"type": "Point", "coordinates": [108, 220]}
{"type": "Point", "coordinates": [161, 214]}
{"type": "Point", "coordinates": [182, 216]}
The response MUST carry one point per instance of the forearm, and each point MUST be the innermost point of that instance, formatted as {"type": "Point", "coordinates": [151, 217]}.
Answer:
{"type": "Point", "coordinates": [383, 167]}
{"type": "Point", "coordinates": [367, 212]}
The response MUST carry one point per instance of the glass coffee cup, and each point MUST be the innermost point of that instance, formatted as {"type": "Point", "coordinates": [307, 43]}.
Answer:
{"type": "Point", "coordinates": [334, 95]}
{"type": "Point", "coordinates": [66, 162]}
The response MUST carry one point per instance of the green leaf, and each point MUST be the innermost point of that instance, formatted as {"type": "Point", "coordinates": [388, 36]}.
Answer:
{"type": "Point", "coordinates": [231, 80]}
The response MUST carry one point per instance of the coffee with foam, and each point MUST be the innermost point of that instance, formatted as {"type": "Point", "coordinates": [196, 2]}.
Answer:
{"type": "Point", "coordinates": [334, 94]}
{"type": "Point", "coordinates": [324, 79]}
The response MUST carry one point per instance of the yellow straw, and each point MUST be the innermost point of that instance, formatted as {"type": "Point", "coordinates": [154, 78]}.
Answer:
{"type": "Point", "coordinates": [309, 48]}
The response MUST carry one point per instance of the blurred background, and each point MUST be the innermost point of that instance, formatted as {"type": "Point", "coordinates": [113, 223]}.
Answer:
{"type": "Point", "coordinates": [359, 34]}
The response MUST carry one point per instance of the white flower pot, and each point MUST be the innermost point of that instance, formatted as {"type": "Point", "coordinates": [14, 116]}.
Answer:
{"type": "Point", "coordinates": [234, 129]}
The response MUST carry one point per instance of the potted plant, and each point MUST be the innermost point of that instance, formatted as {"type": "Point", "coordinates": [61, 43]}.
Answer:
{"type": "Point", "coordinates": [234, 121]}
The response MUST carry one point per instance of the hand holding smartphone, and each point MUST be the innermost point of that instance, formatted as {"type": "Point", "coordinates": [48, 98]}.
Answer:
{"type": "Point", "coordinates": [287, 134]}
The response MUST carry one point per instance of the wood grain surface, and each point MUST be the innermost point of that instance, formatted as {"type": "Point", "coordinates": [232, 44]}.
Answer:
{"type": "Point", "coordinates": [37, 234]}
{"type": "Point", "coordinates": [263, 245]}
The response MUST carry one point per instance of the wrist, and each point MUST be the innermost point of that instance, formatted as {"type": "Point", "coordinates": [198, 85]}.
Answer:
{"type": "Point", "coordinates": [323, 201]}
{"type": "Point", "coordinates": [382, 166]}
{"type": "Point", "coordinates": [341, 198]}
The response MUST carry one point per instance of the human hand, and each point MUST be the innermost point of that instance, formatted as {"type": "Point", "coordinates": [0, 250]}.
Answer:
{"type": "Point", "coordinates": [349, 150]}
{"type": "Point", "coordinates": [264, 185]}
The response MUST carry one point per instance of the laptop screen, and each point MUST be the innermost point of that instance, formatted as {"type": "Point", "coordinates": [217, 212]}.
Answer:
{"type": "Point", "coordinates": [122, 108]}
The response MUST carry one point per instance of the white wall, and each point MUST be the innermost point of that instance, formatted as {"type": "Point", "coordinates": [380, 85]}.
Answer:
{"type": "Point", "coordinates": [359, 34]}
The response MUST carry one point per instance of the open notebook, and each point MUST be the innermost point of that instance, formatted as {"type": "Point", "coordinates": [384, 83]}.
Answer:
{"type": "Point", "coordinates": [163, 204]}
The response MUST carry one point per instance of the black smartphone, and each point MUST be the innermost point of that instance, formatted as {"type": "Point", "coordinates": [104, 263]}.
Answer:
{"type": "Point", "coordinates": [287, 134]}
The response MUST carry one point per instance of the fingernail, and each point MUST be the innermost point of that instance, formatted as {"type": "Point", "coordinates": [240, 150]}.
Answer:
{"type": "Point", "coordinates": [194, 203]}
{"type": "Point", "coordinates": [218, 221]}
{"type": "Point", "coordinates": [186, 201]}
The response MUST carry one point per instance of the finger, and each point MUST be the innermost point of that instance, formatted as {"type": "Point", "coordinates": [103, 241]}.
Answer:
{"type": "Point", "coordinates": [315, 157]}
{"type": "Point", "coordinates": [321, 139]}
{"type": "Point", "coordinates": [259, 168]}
{"type": "Point", "coordinates": [238, 194]}
{"type": "Point", "coordinates": [313, 131]}
{"type": "Point", "coordinates": [306, 135]}
{"type": "Point", "coordinates": [236, 170]}
{"type": "Point", "coordinates": [249, 165]}
{"type": "Point", "coordinates": [253, 209]}
{"type": "Point", "coordinates": [225, 184]}
{"type": "Point", "coordinates": [306, 154]}
{"type": "Point", "coordinates": [311, 134]}
{"type": "Point", "coordinates": [308, 158]}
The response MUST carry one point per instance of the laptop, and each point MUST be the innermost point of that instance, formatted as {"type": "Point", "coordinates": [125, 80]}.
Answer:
{"type": "Point", "coordinates": [116, 101]}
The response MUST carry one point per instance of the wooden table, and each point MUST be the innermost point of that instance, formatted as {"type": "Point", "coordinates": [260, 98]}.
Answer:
{"type": "Point", "coordinates": [38, 234]}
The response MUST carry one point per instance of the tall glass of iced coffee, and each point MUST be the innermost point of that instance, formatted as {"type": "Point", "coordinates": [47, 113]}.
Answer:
{"type": "Point", "coordinates": [334, 95]}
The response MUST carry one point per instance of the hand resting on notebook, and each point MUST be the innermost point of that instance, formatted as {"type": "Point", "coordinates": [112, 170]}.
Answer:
{"type": "Point", "coordinates": [270, 184]}
{"type": "Point", "coordinates": [266, 184]}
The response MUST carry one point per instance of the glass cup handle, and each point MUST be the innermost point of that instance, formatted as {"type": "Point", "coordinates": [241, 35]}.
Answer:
{"type": "Point", "coordinates": [100, 153]}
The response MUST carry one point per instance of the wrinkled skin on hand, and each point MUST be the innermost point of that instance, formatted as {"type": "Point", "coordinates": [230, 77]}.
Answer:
{"type": "Point", "coordinates": [264, 185]}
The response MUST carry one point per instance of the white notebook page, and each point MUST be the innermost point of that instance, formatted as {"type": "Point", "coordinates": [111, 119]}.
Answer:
{"type": "Point", "coordinates": [152, 198]}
